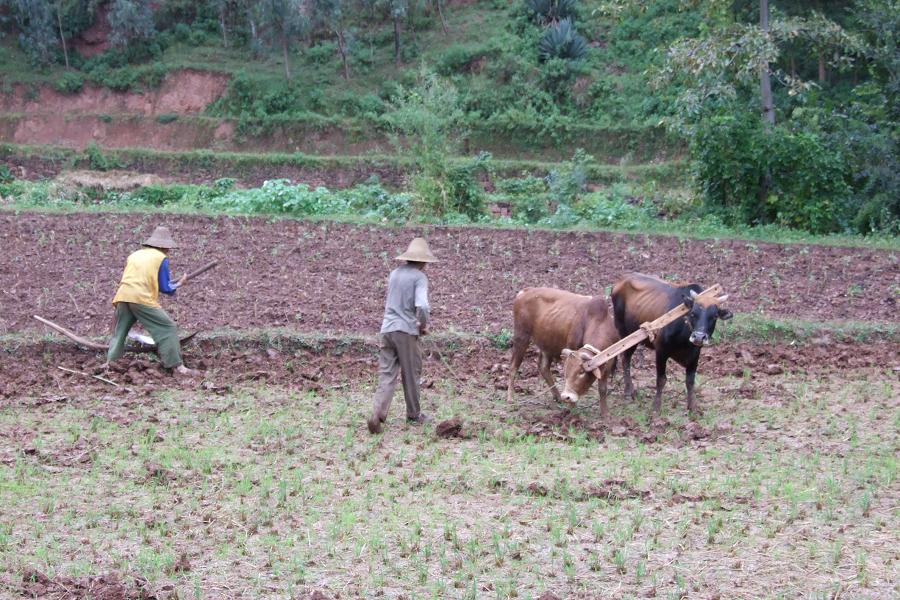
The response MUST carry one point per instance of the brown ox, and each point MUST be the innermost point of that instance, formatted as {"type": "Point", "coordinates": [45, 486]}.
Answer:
{"type": "Point", "coordinates": [563, 323]}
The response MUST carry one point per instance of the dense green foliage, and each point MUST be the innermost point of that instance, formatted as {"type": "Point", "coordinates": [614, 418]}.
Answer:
{"type": "Point", "coordinates": [551, 70]}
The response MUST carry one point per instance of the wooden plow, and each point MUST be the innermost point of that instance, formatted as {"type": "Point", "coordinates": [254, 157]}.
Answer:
{"type": "Point", "coordinates": [144, 343]}
{"type": "Point", "coordinates": [647, 331]}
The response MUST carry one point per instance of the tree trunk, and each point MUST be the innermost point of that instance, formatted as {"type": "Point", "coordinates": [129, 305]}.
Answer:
{"type": "Point", "coordinates": [440, 10]}
{"type": "Point", "coordinates": [342, 47]}
{"type": "Point", "coordinates": [765, 88]}
{"type": "Point", "coordinates": [62, 36]}
{"type": "Point", "coordinates": [397, 41]}
{"type": "Point", "coordinates": [765, 80]}
{"type": "Point", "coordinates": [253, 34]}
{"type": "Point", "coordinates": [822, 73]}
{"type": "Point", "coordinates": [224, 27]}
{"type": "Point", "coordinates": [284, 52]}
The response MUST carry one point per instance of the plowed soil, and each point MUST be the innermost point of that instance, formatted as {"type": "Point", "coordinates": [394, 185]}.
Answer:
{"type": "Point", "coordinates": [33, 376]}
{"type": "Point", "coordinates": [328, 277]}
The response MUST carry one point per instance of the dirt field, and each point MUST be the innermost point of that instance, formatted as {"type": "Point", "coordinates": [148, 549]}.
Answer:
{"type": "Point", "coordinates": [250, 486]}
{"type": "Point", "coordinates": [259, 479]}
{"type": "Point", "coordinates": [330, 277]}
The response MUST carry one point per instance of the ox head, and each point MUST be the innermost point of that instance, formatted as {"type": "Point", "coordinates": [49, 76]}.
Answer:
{"type": "Point", "coordinates": [578, 379]}
{"type": "Point", "coordinates": [704, 313]}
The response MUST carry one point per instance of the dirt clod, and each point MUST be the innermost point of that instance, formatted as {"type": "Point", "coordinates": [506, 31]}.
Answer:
{"type": "Point", "coordinates": [695, 431]}
{"type": "Point", "coordinates": [449, 428]}
{"type": "Point", "coordinates": [182, 565]}
{"type": "Point", "coordinates": [157, 472]}
{"type": "Point", "coordinates": [313, 595]}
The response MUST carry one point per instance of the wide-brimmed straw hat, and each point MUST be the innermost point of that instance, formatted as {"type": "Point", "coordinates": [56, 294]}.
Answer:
{"type": "Point", "coordinates": [418, 252]}
{"type": "Point", "coordinates": [161, 238]}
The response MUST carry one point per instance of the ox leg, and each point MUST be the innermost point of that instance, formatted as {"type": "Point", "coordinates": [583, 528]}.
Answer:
{"type": "Point", "coordinates": [690, 372]}
{"type": "Point", "coordinates": [626, 373]}
{"type": "Point", "coordinates": [548, 375]}
{"type": "Point", "coordinates": [661, 360]}
{"type": "Point", "coordinates": [519, 346]}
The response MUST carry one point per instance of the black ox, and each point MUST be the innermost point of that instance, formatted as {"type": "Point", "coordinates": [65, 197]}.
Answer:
{"type": "Point", "coordinates": [639, 298]}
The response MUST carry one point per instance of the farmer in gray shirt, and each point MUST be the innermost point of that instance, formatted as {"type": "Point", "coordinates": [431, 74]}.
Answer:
{"type": "Point", "coordinates": [405, 319]}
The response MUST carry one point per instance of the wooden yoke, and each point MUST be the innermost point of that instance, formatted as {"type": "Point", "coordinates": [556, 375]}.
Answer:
{"type": "Point", "coordinates": [646, 331]}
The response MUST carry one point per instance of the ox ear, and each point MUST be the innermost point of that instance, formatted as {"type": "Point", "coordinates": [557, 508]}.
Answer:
{"type": "Point", "coordinates": [725, 314]}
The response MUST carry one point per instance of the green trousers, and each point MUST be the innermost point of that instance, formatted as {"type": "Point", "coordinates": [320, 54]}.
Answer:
{"type": "Point", "coordinates": [158, 324]}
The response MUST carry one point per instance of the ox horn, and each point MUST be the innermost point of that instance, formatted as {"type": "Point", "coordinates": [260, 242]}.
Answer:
{"type": "Point", "coordinates": [693, 295]}
{"type": "Point", "coordinates": [591, 348]}
{"type": "Point", "coordinates": [722, 298]}
{"type": "Point", "coordinates": [567, 351]}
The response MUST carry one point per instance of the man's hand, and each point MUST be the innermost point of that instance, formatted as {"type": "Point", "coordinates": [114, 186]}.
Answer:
{"type": "Point", "coordinates": [423, 330]}
{"type": "Point", "coordinates": [181, 281]}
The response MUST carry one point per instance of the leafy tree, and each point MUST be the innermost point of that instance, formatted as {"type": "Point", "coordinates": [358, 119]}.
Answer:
{"type": "Point", "coordinates": [130, 20]}
{"type": "Point", "coordinates": [331, 16]}
{"type": "Point", "coordinates": [439, 8]}
{"type": "Point", "coordinates": [227, 13]}
{"type": "Point", "coordinates": [427, 124]}
{"type": "Point", "coordinates": [397, 10]}
{"type": "Point", "coordinates": [720, 72]}
{"type": "Point", "coordinates": [37, 26]}
{"type": "Point", "coordinates": [284, 21]}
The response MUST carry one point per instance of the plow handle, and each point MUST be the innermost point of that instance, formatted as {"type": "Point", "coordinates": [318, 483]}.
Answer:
{"type": "Point", "coordinates": [201, 270]}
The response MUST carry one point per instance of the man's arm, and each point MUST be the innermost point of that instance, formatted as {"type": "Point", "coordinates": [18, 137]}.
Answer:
{"type": "Point", "coordinates": [165, 283]}
{"type": "Point", "coordinates": [422, 307]}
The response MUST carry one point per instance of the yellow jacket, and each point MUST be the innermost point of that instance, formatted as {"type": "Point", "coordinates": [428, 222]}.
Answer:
{"type": "Point", "coordinates": [140, 280]}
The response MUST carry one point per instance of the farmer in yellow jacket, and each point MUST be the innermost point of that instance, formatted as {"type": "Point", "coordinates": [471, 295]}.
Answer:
{"type": "Point", "coordinates": [137, 299]}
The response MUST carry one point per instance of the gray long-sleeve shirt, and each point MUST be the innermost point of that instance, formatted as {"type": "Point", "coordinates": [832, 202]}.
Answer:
{"type": "Point", "coordinates": [407, 295]}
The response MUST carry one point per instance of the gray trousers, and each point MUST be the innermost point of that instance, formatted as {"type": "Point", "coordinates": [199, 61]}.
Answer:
{"type": "Point", "coordinates": [399, 356]}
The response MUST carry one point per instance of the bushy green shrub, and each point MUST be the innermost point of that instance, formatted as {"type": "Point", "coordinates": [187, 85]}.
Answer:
{"type": "Point", "coordinates": [551, 11]}
{"type": "Point", "coordinates": [614, 207]}
{"type": "Point", "coordinates": [527, 197]}
{"type": "Point", "coordinates": [868, 138]}
{"type": "Point", "coordinates": [97, 160]}
{"type": "Point", "coordinates": [562, 41]}
{"type": "Point", "coordinates": [460, 58]}
{"type": "Point", "coordinates": [322, 53]}
{"type": "Point", "coordinates": [69, 83]}
{"type": "Point", "coordinates": [160, 195]}
{"type": "Point", "coordinates": [530, 208]}
{"type": "Point", "coordinates": [763, 176]}
{"type": "Point", "coordinates": [568, 180]}
{"type": "Point", "coordinates": [524, 186]}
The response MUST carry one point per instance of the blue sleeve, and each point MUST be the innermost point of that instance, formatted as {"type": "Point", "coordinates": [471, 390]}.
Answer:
{"type": "Point", "coordinates": [165, 285]}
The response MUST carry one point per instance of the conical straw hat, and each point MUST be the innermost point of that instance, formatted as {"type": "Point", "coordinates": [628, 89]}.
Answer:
{"type": "Point", "coordinates": [418, 252]}
{"type": "Point", "coordinates": [161, 238]}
